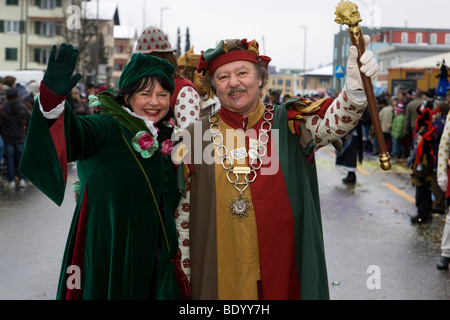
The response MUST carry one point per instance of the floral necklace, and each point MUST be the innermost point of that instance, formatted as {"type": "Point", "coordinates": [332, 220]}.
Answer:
{"type": "Point", "coordinates": [146, 143]}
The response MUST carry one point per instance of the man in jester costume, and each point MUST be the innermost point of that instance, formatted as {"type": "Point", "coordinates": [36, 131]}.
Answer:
{"type": "Point", "coordinates": [122, 242]}
{"type": "Point", "coordinates": [255, 221]}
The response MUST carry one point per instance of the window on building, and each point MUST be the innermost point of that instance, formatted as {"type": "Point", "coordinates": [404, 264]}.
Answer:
{"type": "Point", "coordinates": [40, 55]}
{"type": "Point", "coordinates": [288, 83]}
{"type": "Point", "coordinates": [44, 28]}
{"type": "Point", "coordinates": [280, 82]}
{"type": "Point", "coordinates": [48, 4]}
{"type": "Point", "coordinates": [419, 37]}
{"type": "Point", "coordinates": [118, 67]}
{"type": "Point", "coordinates": [393, 62]}
{"type": "Point", "coordinates": [433, 38]}
{"type": "Point", "coordinates": [447, 38]}
{"type": "Point", "coordinates": [404, 37]}
{"type": "Point", "coordinates": [11, 54]}
{"type": "Point", "coordinates": [12, 2]}
{"type": "Point", "coordinates": [324, 81]}
{"type": "Point", "coordinates": [381, 64]}
{"type": "Point", "coordinates": [11, 26]}
{"type": "Point", "coordinates": [414, 75]}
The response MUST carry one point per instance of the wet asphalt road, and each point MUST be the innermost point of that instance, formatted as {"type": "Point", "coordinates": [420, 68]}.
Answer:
{"type": "Point", "coordinates": [368, 224]}
{"type": "Point", "coordinates": [365, 226]}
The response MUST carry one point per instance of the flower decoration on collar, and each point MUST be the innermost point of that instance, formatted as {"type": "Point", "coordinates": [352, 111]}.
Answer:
{"type": "Point", "coordinates": [145, 144]}
{"type": "Point", "coordinates": [166, 147]}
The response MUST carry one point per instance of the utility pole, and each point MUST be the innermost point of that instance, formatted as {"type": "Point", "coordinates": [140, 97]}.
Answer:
{"type": "Point", "coordinates": [304, 60]}
{"type": "Point", "coordinates": [161, 16]}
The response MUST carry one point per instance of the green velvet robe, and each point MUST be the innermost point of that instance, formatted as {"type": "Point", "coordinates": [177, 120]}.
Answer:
{"type": "Point", "coordinates": [115, 235]}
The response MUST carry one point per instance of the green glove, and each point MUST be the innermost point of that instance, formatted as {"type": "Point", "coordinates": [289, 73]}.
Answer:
{"type": "Point", "coordinates": [58, 77]}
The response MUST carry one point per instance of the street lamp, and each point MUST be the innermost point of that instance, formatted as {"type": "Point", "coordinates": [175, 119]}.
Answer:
{"type": "Point", "coordinates": [161, 16]}
{"type": "Point", "coordinates": [304, 60]}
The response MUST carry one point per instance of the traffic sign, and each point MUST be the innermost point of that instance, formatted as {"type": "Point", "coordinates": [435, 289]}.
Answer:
{"type": "Point", "coordinates": [340, 70]}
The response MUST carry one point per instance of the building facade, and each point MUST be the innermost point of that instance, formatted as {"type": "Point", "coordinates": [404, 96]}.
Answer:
{"type": "Point", "coordinates": [124, 43]}
{"type": "Point", "coordinates": [294, 82]}
{"type": "Point", "coordinates": [28, 30]}
{"type": "Point", "coordinates": [418, 74]}
{"type": "Point", "coordinates": [394, 46]}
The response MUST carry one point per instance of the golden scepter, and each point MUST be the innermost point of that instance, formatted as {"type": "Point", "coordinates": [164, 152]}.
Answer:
{"type": "Point", "coordinates": [347, 13]}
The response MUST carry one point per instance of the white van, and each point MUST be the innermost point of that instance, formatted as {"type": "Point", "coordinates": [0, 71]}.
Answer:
{"type": "Point", "coordinates": [23, 77]}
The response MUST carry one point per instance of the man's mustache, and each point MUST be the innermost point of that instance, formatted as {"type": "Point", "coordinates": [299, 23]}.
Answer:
{"type": "Point", "coordinates": [236, 90]}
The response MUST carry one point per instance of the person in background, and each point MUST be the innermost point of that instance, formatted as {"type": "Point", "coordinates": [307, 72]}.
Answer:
{"type": "Point", "coordinates": [381, 103]}
{"type": "Point", "coordinates": [28, 99]}
{"type": "Point", "coordinates": [397, 132]}
{"type": "Point", "coordinates": [14, 117]}
{"type": "Point", "coordinates": [2, 145]}
{"type": "Point", "coordinates": [186, 104]}
{"type": "Point", "coordinates": [443, 181]}
{"type": "Point", "coordinates": [386, 115]}
{"type": "Point", "coordinates": [411, 116]}
{"type": "Point", "coordinates": [421, 161]}
{"type": "Point", "coordinates": [74, 99]}
{"type": "Point", "coordinates": [2, 149]}
{"type": "Point", "coordinates": [439, 119]}
{"type": "Point", "coordinates": [366, 126]}
{"type": "Point", "coordinates": [185, 100]}
{"type": "Point", "coordinates": [188, 66]}
{"type": "Point", "coordinates": [351, 152]}
{"type": "Point", "coordinates": [274, 96]}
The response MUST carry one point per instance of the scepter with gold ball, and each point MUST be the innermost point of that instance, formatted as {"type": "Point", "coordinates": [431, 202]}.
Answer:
{"type": "Point", "coordinates": [347, 13]}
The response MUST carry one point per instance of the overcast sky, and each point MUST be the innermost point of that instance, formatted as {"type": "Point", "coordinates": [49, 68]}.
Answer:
{"type": "Point", "coordinates": [275, 23]}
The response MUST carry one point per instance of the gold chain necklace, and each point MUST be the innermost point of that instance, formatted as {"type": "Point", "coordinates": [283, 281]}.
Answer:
{"type": "Point", "coordinates": [241, 206]}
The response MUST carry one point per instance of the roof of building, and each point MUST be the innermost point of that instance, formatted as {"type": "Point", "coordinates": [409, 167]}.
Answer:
{"type": "Point", "coordinates": [426, 63]}
{"type": "Point", "coordinates": [322, 71]}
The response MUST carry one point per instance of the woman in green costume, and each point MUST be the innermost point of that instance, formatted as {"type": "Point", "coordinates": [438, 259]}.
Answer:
{"type": "Point", "coordinates": [122, 242]}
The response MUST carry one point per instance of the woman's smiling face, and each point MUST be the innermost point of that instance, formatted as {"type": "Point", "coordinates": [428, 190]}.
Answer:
{"type": "Point", "coordinates": [152, 104]}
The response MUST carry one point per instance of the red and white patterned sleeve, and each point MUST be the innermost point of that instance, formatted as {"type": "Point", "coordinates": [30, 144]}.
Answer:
{"type": "Point", "coordinates": [182, 214]}
{"type": "Point", "coordinates": [339, 119]}
{"type": "Point", "coordinates": [187, 106]}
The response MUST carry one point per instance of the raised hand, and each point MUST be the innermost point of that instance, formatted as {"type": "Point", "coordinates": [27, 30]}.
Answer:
{"type": "Point", "coordinates": [59, 76]}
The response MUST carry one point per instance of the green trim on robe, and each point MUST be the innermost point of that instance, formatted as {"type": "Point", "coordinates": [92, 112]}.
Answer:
{"type": "Point", "coordinates": [122, 228]}
{"type": "Point", "coordinates": [302, 185]}
{"type": "Point", "coordinates": [46, 170]}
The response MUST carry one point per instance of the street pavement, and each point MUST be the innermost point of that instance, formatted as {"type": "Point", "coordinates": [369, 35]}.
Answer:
{"type": "Point", "coordinates": [372, 250]}
{"type": "Point", "coordinates": [368, 235]}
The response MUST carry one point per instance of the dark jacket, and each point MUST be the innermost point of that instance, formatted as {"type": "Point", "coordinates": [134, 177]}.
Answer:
{"type": "Point", "coordinates": [14, 117]}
